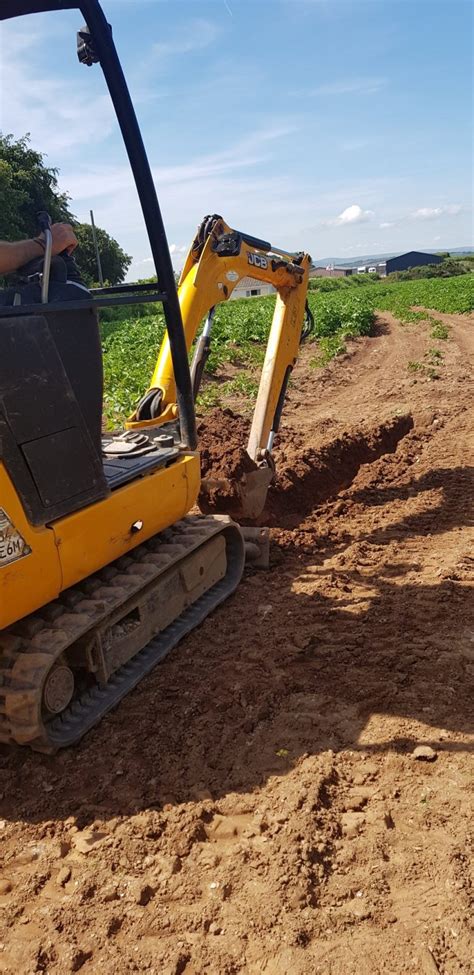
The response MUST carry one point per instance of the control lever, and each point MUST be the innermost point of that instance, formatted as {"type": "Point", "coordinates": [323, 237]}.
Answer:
{"type": "Point", "coordinates": [44, 221]}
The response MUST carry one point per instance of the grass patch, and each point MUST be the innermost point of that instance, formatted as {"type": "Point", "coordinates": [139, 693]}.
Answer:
{"type": "Point", "coordinates": [422, 369]}
{"type": "Point", "coordinates": [216, 394]}
{"type": "Point", "coordinates": [439, 330]}
{"type": "Point", "coordinates": [328, 349]}
{"type": "Point", "coordinates": [451, 295]}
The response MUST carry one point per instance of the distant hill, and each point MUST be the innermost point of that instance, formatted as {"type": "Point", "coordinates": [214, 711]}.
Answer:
{"type": "Point", "coordinates": [377, 258]}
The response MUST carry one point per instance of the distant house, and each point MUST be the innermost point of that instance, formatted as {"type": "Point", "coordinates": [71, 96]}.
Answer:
{"type": "Point", "coordinates": [411, 259]}
{"type": "Point", "coordinates": [252, 288]}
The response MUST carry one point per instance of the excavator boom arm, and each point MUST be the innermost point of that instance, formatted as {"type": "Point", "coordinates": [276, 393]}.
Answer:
{"type": "Point", "coordinates": [218, 259]}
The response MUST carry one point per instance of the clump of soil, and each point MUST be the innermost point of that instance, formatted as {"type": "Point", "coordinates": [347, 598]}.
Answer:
{"type": "Point", "coordinates": [222, 438]}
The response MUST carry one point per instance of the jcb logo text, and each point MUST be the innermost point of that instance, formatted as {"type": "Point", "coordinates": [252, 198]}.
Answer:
{"type": "Point", "coordinates": [257, 260]}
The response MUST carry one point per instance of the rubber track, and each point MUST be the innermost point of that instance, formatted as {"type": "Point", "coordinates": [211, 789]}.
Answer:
{"type": "Point", "coordinates": [28, 649]}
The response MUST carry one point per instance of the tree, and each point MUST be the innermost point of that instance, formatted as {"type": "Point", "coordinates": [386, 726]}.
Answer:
{"type": "Point", "coordinates": [115, 262]}
{"type": "Point", "coordinates": [26, 186]}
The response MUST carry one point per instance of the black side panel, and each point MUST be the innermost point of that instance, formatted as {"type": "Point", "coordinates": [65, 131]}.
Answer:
{"type": "Point", "coordinates": [45, 442]}
{"type": "Point", "coordinates": [77, 338]}
{"type": "Point", "coordinates": [53, 453]}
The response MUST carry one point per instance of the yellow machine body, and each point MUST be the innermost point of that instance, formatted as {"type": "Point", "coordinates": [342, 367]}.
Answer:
{"type": "Point", "coordinates": [74, 547]}
{"type": "Point", "coordinates": [93, 598]}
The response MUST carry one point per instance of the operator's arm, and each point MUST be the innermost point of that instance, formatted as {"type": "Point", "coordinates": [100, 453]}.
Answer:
{"type": "Point", "coordinates": [14, 254]}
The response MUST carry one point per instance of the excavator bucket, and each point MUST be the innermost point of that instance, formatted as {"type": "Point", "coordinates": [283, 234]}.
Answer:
{"type": "Point", "coordinates": [243, 498]}
{"type": "Point", "coordinates": [253, 492]}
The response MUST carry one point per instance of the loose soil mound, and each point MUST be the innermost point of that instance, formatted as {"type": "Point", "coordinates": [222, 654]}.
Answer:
{"type": "Point", "coordinates": [222, 437]}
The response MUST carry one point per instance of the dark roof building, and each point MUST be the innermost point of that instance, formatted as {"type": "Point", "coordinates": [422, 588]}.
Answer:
{"type": "Point", "coordinates": [412, 259]}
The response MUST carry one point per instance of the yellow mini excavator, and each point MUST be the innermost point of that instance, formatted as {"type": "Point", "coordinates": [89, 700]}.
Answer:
{"type": "Point", "coordinates": [102, 569]}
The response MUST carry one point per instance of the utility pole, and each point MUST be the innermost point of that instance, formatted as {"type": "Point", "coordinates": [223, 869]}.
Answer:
{"type": "Point", "coordinates": [97, 255]}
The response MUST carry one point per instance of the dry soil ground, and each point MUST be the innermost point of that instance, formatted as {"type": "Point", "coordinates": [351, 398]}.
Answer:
{"type": "Point", "coordinates": [256, 806]}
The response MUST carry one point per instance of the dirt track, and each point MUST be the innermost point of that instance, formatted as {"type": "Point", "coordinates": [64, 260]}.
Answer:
{"type": "Point", "coordinates": [255, 806]}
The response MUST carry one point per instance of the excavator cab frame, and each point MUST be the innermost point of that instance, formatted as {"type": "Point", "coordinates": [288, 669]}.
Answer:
{"type": "Point", "coordinates": [96, 45]}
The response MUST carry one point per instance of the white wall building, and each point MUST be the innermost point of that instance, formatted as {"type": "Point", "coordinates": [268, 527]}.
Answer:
{"type": "Point", "coordinates": [251, 288]}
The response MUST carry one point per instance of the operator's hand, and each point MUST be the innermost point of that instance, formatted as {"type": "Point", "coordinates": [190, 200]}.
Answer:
{"type": "Point", "coordinates": [64, 238]}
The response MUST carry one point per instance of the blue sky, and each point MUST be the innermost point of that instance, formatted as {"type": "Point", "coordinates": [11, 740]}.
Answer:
{"type": "Point", "coordinates": [341, 128]}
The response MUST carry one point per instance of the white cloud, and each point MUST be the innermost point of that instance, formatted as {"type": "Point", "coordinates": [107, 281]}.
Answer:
{"type": "Point", "coordinates": [431, 213]}
{"type": "Point", "coordinates": [351, 86]}
{"type": "Point", "coordinates": [354, 214]}
{"type": "Point", "coordinates": [198, 34]}
{"type": "Point", "coordinates": [385, 224]}
{"type": "Point", "coordinates": [174, 249]}
{"type": "Point", "coordinates": [91, 180]}
{"type": "Point", "coordinates": [220, 182]}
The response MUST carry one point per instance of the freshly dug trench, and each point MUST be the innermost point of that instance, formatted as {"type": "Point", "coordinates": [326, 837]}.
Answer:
{"type": "Point", "coordinates": [308, 479]}
{"type": "Point", "coordinates": [303, 479]}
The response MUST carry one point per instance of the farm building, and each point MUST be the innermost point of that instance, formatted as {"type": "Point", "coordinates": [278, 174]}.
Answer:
{"type": "Point", "coordinates": [252, 288]}
{"type": "Point", "coordinates": [378, 268]}
{"type": "Point", "coordinates": [331, 272]}
{"type": "Point", "coordinates": [411, 259]}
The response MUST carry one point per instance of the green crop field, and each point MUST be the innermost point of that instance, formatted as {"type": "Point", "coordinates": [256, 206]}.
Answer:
{"type": "Point", "coordinates": [241, 329]}
{"type": "Point", "coordinates": [439, 294]}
